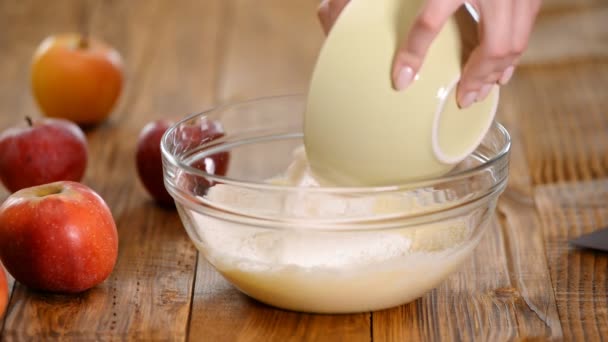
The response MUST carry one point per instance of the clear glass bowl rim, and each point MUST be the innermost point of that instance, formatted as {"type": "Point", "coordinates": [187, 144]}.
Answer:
{"type": "Point", "coordinates": [498, 157]}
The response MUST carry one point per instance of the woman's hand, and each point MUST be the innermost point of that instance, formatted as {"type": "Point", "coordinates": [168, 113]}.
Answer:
{"type": "Point", "coordinates": [504, 29]}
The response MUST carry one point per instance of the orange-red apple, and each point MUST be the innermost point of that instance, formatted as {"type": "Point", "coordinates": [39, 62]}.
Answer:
{"type": "Point", "coordinates": [58, 237]}
{"type": "Point", "coordinates": [44, 151]}
{"type": "Point", "coordinates": [77, 78]}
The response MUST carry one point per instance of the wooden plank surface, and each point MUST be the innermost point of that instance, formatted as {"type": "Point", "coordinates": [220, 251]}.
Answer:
{"type": "Point", "coordinates": [563, 107]}
{"type": "Point", "coordinates": [580, 279]}
{"type": "Point", "coordinates": [149, 293]}
{"type": "Point", "coordinates": [476, 303]}
{"type": "Point", "coordinates": [582, 41]}
{"type": "Point", "coordinates": [528, 270]}
{"type": "Point", "coordinates": [15, 99]}
{"type": "Point", "coordinates": [563, 120]}
{"type": "Point", "coordinates": [222, 313]}
{"type": "Point", "coordinates": [524, 281]}
{"type": "Point", "coordinates": [269, 48]}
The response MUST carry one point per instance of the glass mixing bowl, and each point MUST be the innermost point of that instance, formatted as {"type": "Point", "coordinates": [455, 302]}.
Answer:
{"type": "Point", "coordinates": [321, 249]}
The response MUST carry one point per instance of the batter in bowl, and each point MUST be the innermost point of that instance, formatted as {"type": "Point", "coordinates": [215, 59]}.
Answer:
{"type": "Point", "coordinates": [337, 271]}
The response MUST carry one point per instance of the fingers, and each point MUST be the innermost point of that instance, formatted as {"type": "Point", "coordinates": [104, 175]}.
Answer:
{"type": "Point", "coordinates": [409, 56]}
{"type": "Point", "coordinates": [524, 14]}
{"type": "Point", "coordinates": [328, 12]}
{"type": "Point", "coordinates": [492, 57]}
{"type": "Point", "coordinates": [504, 25]}
{"type": "Point", "coordinates": [505, 28]}
{"type": "Point", "coordinates": [324, 15]}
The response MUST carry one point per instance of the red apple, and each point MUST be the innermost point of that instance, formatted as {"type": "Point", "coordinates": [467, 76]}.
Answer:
{"type": "Point", "coordinates": [45, 151]}
{"type": "Point", "coordinates": [195, 135]}
{"type": "Point", "coordinates": [58, 237]}
{"type": "Point", "coordinates": [77, 78]}
{"type": "Point", "coordinates": [201, 132]}
{"type": "Point", "coordinates": [149, 160]}
{"type": "Point", "coordinates": [3, 291]}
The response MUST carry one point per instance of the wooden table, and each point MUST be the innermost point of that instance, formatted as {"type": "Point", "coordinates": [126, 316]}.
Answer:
{"type": "Point", "coordinates": [525, 281]}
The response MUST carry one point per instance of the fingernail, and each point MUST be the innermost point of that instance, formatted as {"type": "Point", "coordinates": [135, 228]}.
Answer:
{"type": "Point", "coordinates": [405, 77]}
{"type": "Point", "coordinates": [323, 6]}
{"type": "Point", "coordinates": [468, 99]}
{"type": "Point", "coordinates": [506, 75]}
{"type": "Point", "coordinates": [483, 92]}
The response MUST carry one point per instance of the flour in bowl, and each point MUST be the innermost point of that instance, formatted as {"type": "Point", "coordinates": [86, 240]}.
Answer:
{"type": "Point", "coordinates": [336, 271]}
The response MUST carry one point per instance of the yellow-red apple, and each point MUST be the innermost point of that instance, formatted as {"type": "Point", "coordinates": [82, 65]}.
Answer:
{"type": "Point", "coordinates": [58, 237]}
{"type": "Point", "coordinates": [44, 151]}
{"type": "Point", "coordinates": [77, 78]}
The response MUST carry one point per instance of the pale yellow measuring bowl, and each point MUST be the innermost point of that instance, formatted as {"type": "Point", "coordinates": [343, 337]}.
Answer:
{"type": "Point", "coordinates": [359, 131]}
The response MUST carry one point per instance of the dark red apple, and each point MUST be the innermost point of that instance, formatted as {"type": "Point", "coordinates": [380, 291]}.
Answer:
{"type": "Point", "coordinates": [149, 160]}
{"type": "Point", "coordinates": [44, 151]}
{"type": "Point", "coordinates": [58, 237]}
{"type": "Point", "coordinates": [196, 134]}
{"type": "Point", "coordinates": [3, 291]}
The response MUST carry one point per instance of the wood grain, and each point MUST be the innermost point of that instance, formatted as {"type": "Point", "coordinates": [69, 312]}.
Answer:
{"type": "Point", "coordinates": [528, 269]}
{"type": "Point", "coordinates": [559, 94]}
{"type": "Point", "coordinates": [524, 238]}
{"type": "Point", "coordinates": [270, 48]}
{"type": "Point", "coordinates": [480, 302]}
{"type": "Point", "coordinates": [520, 185]}
{"type": "Point", "coordinates": [583, 41]}
{"type": "Point", "coordinates": [557, 121]}
{"type": "Point", "coordinates": [580, 278]}
{"type": "Point", "coordinates": [149, 293]}
{"type": "Point", "coordinates": [222, 313]}
{"type": "Point", "coordinates": [564, 122]}
{"type": "Point", "coordinates": [523, 234]}
{"type": "Point", "coordinates": [18, 43]}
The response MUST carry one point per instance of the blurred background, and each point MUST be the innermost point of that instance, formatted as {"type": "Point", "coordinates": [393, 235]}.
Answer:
{"type": "Point", "coordinates": [187, 55]}
{"type": "Point", "coordinates": [181, 56]}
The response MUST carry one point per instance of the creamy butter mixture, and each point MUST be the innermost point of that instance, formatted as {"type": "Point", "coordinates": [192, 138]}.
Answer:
{"type": "Point", "coordinates": [329, 272]}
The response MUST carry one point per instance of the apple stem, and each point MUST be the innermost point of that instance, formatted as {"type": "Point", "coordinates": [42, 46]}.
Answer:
{"type": "Point", "coordinates": [29, 121]}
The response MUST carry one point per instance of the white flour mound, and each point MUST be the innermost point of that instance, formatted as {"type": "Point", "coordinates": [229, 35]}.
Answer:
{"type": "Point", "coordinates": [320, 271]}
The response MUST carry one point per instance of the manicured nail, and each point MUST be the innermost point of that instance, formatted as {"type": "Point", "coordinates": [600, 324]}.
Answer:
{"type": "Point", "coordinates": [405, 77]}
{"type": "Point", "coordinates": [506, 75]}
{"type": "Point", "coordinates": [483, 92]}
{"type": "Point", "coordinates": [468, 99]}
{"type": "Point", "coordinates": [323, 6]}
